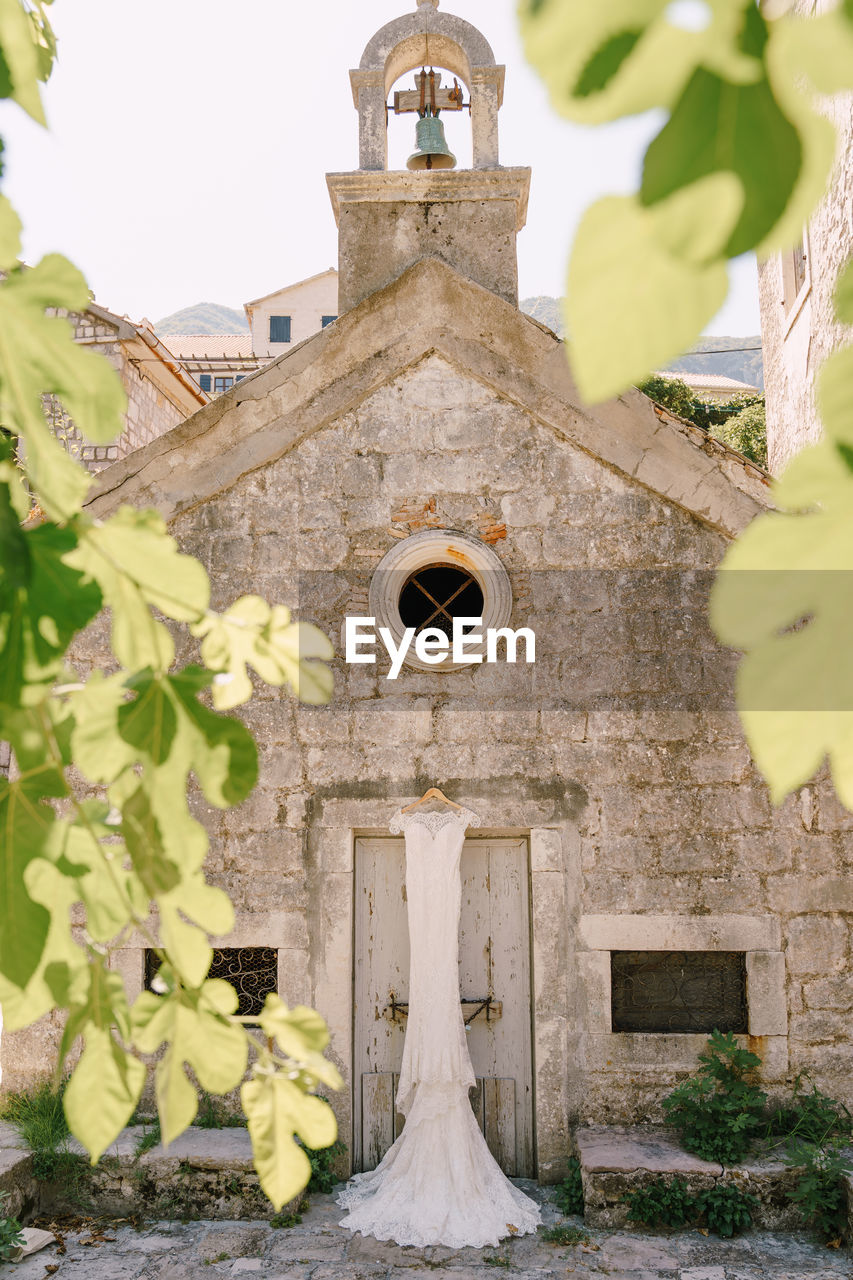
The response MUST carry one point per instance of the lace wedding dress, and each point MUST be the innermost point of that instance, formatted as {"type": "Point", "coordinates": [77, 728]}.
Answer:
{"type": "Point", "coordinates": [438, 1183]}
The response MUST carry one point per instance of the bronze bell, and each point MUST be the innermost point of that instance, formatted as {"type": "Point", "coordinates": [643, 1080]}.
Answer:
{"type": "Point", "coordinates": [432, 149]}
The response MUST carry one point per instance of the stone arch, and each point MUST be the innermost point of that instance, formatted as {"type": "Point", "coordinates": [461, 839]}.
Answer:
{"type": "Point", "coordinates": [427, 38]}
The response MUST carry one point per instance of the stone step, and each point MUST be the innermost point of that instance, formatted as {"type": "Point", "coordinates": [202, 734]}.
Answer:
{"type": "Point", "coordinates": [616, 1159]}
{"type": "Point", "coordinates": [205, 1173]}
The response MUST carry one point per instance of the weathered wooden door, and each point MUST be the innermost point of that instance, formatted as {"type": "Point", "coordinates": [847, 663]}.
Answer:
{"type": "Point", "coordinates": [494, 966]}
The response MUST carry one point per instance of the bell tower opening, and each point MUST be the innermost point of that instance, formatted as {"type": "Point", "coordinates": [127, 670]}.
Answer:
{"type": "Point", "coordinates": [390, 218]}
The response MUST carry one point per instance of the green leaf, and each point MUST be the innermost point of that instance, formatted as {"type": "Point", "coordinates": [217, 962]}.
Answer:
{"type": "Point", "coordinates": [844, 295]}
{"type": "Point", "coordinates": [251, 633]}
{"type": "Point", "coordinates": [298, 1031]}
{"type": "Point", "coordinates": [103, 1091]}
{"type": "Point", "coordinates": [38, 355]}
{"type": "Point", "coordinates": [276, 1110]}
{"type": "Point", "coordinates": [196, 1035]}
{"type": "Point", "coordinates": [40, 615]}
{"type": "Point", "coordinates": [639, 290]}
{"type": "Point", "coordinates": [784, 594]}
{"type": "Point", "coordinates": [819, 47]}
{"type": "Point", "coordinates": [835, 396]}
{"type": "Point", "coordinates": [302, 1035]}
{"type": "Point", "coordinates": [23, 1005]}
{"type": "Point", "coordinates": [602, 61]}
{"type": "Point", "coordinates": [149, 722]}
{"type": "Point", "coordinates": [26, 827]}
{"type": "Point", "coordinates": [10, 236]}
{"type": "Point", "coordinates": [93, 859]}
{"type": "Point", "coordinates": [22, 57]}
{"type": "Point", "coordinates": [719, 127]}
{"type": "Point", "coordinates": [100, 752]}
{"type": "Point", "coordinates": [222, 752]}
{"type": "Point", "coordinates": [144, 840]}
{"type": "Point", "coordinates": [817, 139]}
{"type": "Point", "coordinates": [137, 565]}
{"type": "Point", "coordinates": [187, 947]}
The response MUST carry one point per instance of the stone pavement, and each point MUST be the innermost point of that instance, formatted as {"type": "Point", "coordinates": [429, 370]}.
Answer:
{"type": "Point", "coordinates": [318, 1249]}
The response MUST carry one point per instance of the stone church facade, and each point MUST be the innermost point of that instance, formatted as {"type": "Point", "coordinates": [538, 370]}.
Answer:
{"type": "Point", "coordinates": [623, 824]}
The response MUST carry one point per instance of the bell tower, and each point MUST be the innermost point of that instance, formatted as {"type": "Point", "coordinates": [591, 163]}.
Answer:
{"type": "Point", "coordinates": [390, 219]}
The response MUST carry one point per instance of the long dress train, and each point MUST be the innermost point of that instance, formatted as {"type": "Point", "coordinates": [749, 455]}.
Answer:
{"type": "Point", "coordinates": [438, 1183]}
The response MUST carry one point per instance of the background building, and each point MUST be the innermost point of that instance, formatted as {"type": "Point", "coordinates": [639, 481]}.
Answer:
{"type": "Point", "coordinates": [798, 325]}
{"type": "Point", "coordinates": [160, 391]}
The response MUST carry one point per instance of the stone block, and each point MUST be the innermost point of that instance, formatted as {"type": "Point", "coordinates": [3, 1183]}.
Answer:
{"type": "Point", "coordinates": [546, 849]}
{"type": "Point", "coordinates": [830, 993]}
{"type": "Point", "coordinates": [765, 990]}
{"type": "Point", "coordinates": [680, 933]}
{"type": "Point", "coordinates": [816, 944]}
{"type": "Point", "coordinates": [595, 987]}
{"type": "Point", "coordinates": [393, 720]}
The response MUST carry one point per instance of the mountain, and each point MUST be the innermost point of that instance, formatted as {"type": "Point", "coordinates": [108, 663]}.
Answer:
{"type": "Point", "coordinates": [725, 355]}
{"type": "Point", "coordinates": [547, 311]}
{"type": "Point", "coordinates": [728, 357]}
{"type": "Point", "coordinates": [204, 317]}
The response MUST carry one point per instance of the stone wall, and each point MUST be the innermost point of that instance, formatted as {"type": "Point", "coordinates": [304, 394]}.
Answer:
{"type": "Point", "coordinates": [618, 752]}
{"type": "Point", "coordinates": [150, 412]}
{"type": "Point", "coordinates": [622, 738]}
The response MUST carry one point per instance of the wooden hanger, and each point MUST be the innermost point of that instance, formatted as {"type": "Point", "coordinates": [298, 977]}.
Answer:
{"type": "Point", "coordinates": [432, 794]}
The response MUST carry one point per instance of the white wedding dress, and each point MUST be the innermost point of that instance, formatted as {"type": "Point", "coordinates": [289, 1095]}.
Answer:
{"type": "Point", "coordinates": [438, 1183]}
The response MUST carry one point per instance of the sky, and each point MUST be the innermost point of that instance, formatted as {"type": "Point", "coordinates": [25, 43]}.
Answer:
{"type": "Point", "coordinates": [189, 140]}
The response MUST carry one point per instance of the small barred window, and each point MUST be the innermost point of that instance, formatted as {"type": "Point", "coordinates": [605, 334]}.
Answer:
{"type": "Point", "coordinates": [678, 991]}
{"type": "Point", "coordinates": [252, 972]}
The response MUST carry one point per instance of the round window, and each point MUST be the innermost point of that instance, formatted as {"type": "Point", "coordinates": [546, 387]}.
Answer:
{"type": "Point", "coordinates": [431, 578]}
{"type": "Point", "coordinates": [438, 593]}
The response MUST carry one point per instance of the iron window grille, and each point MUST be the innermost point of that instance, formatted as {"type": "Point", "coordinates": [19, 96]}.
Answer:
{"type": "Point", "coordinates": [678, 992]}
{"type": "Point", "coordinates": [252, 972]}
{"type": "Point", "coordinates": [435, 594]}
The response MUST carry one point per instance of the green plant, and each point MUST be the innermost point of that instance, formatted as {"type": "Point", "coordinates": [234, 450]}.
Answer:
{"type": "Point", "coordinates": [150, 1138]}
{"type": "Point", "coordinates": [569, 1193]}
{"type": "Point", "coordinates": [564, 1233]}
{"type": "Point", "coordinates": [285, 1220]}
{"type": "Point", "coordinates": [745, 431]}
{"type": "Point", "coordinates": [810, 1115]}
{"type": "Point", "coordinates": [10, 1231]}
{"type": "Point", "coordinates": [661, 1203]}
{"type": "Point", "coordinates": [496, 1260]}
{"type": "Point", "coordinates": [726, 1209]}
{"type": "Point", "coordinates": [819, 1192]}
{"type": "Point", "coordinates": [213, 1115]}
{"type": "Point", "coordinates": [719, 1112]}
{"type": "Point", "coordinates": [323, 1178]}
{"type": "Point", "coordinates": [37, 1115]}
{"type": "Point", "coordinates": [124, 844]}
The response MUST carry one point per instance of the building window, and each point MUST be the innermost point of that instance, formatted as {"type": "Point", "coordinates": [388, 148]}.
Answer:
{"type": "Point", "coordinates": [327, 320]}
{"type": "Point", "coordinates": [678, 991]}
{"type": "Point", "coordinates": [252, 972]}
{"type": "Point", "coordinates": [279, 328]}
{"type": "Point", "coordinates": [431, 578]}
{"type": "Point", "coordinates": [796, 276]}
{"type": "Point", "coordinates": [222, 384]}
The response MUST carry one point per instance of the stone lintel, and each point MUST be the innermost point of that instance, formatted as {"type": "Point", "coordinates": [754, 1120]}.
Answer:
{"type": "Point", "coordinates": [440, 186]}
{"type": "Point", "coordinates": [680, 933]}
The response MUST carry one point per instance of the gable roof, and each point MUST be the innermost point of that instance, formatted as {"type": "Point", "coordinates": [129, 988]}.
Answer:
{"type": "Point", "coordinates": [206, 346]}
{"type": "Point", "coordinates": [288, 288]}
{"type": "Point", "coordinates": [329, 374]}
